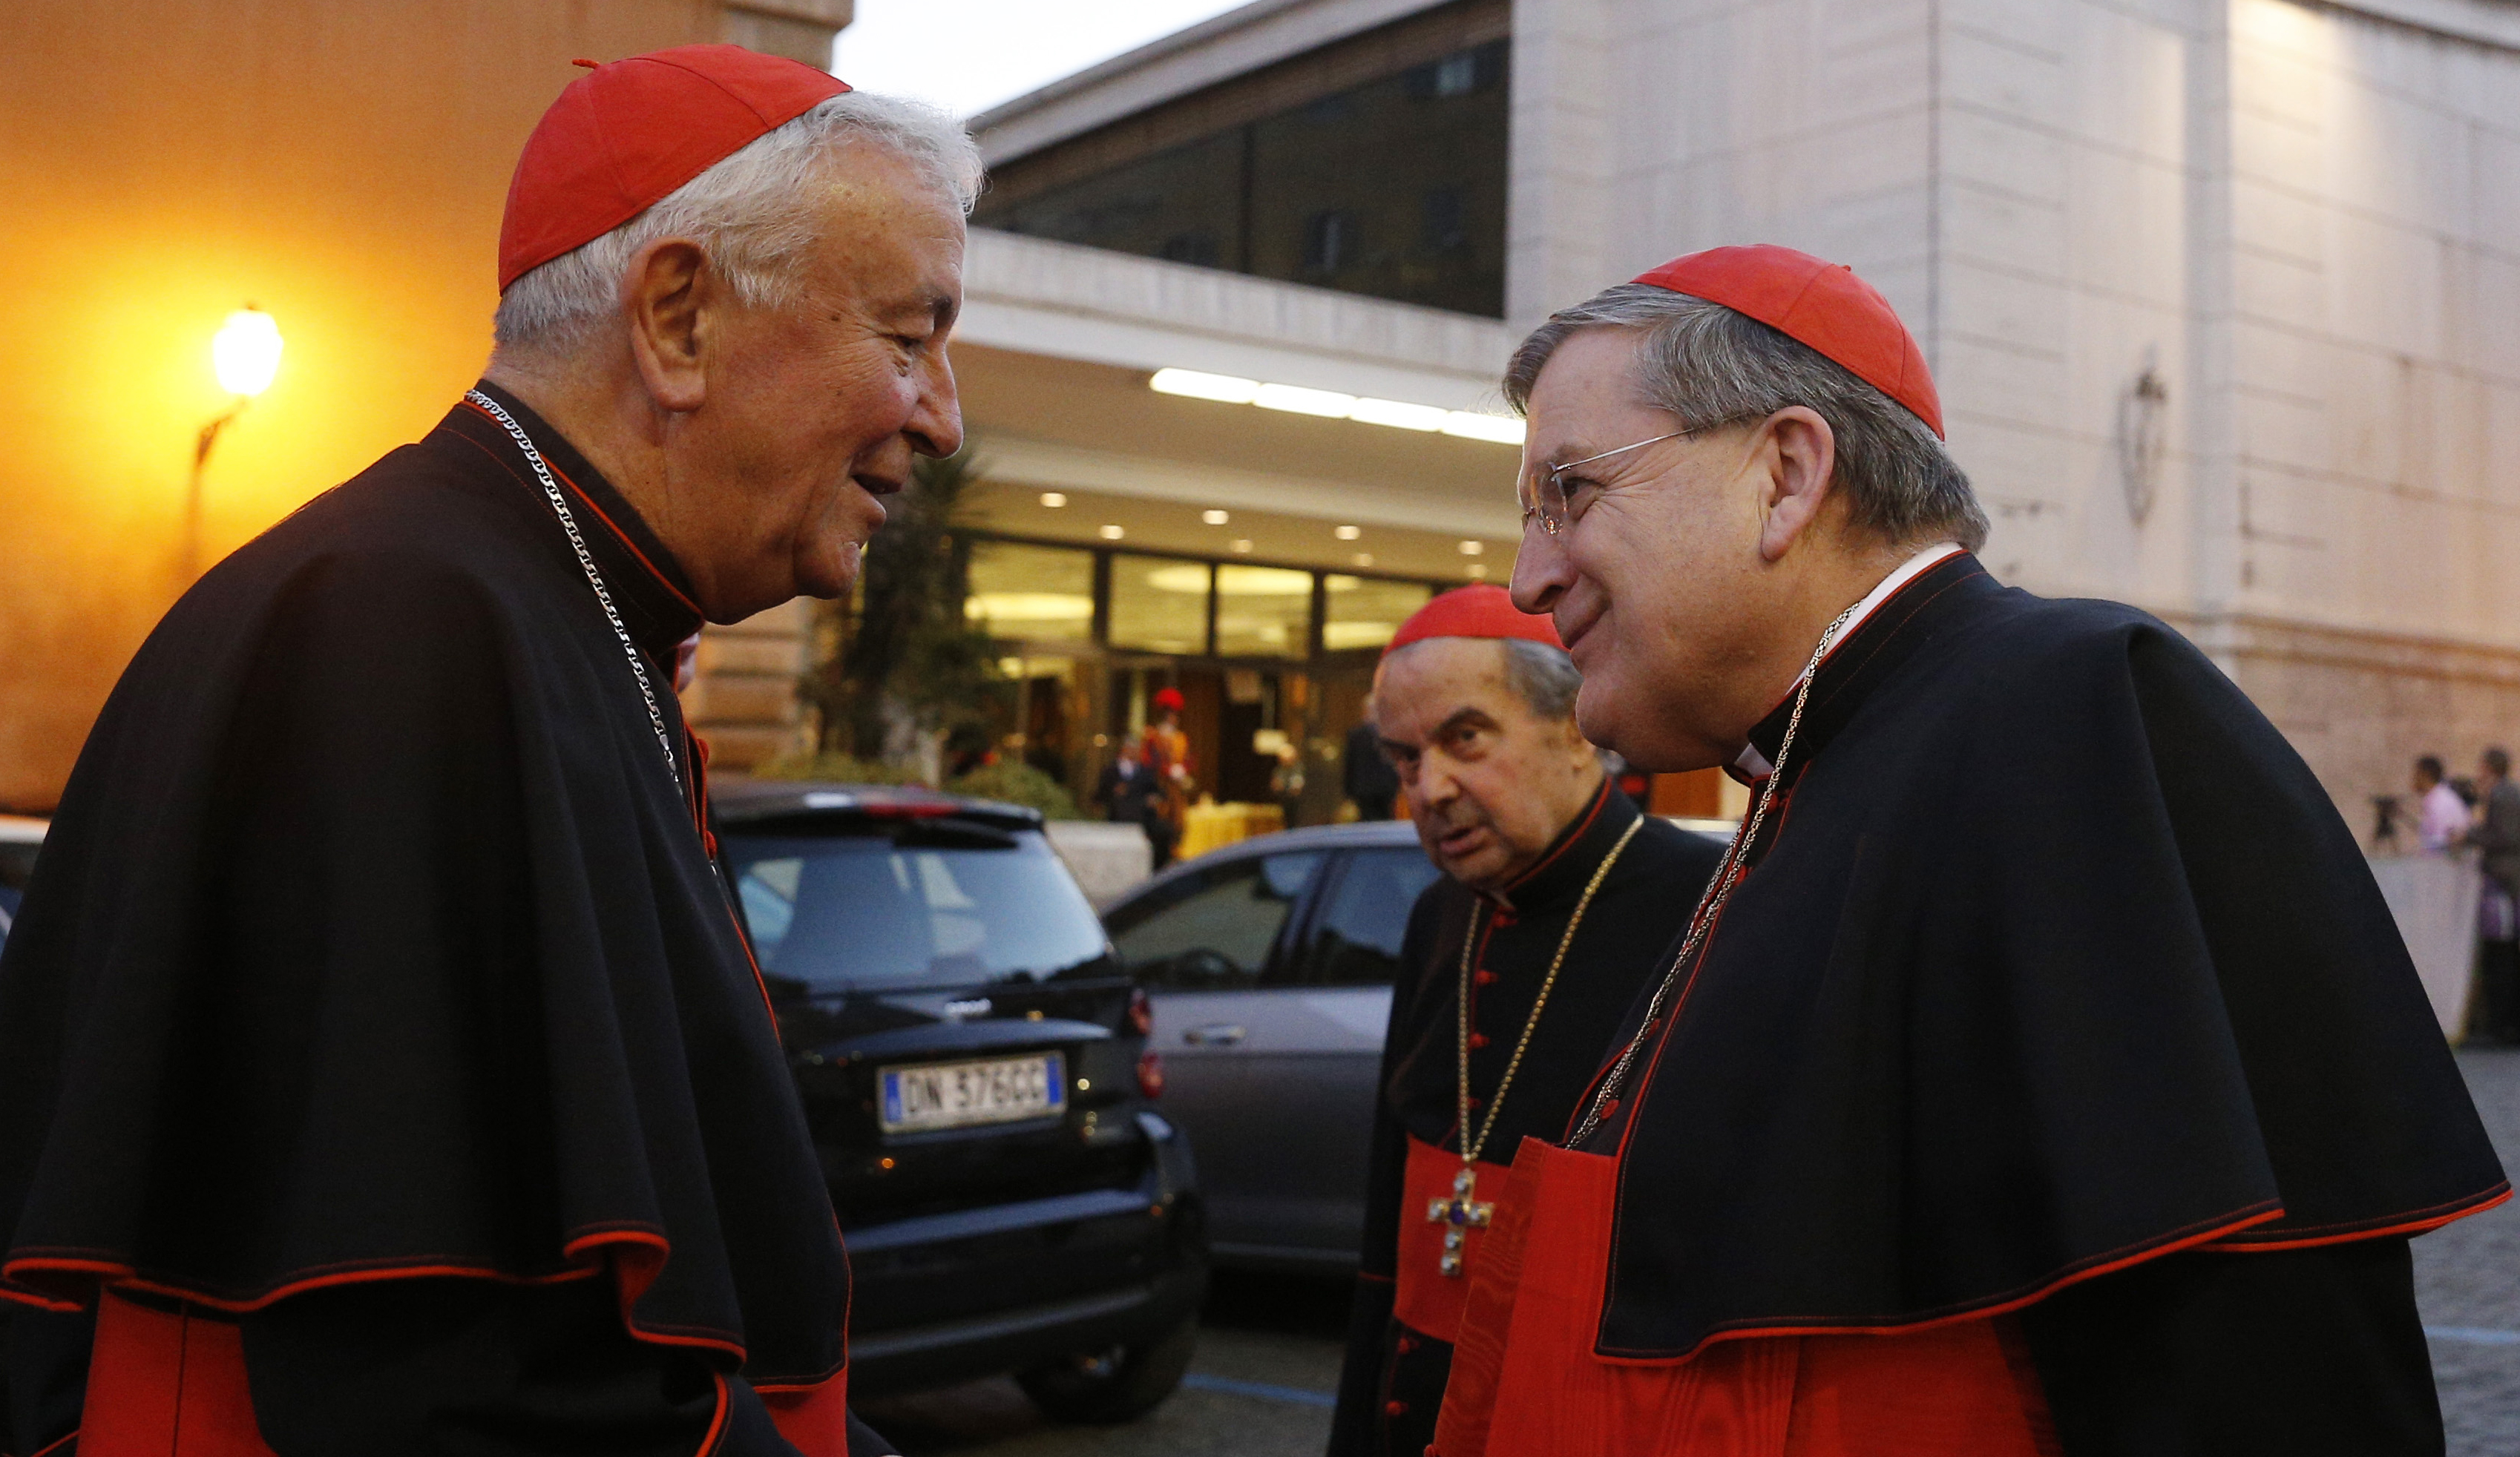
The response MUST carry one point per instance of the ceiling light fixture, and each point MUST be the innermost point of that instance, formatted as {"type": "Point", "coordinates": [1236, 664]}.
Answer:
{"type": "Point", "coordinates": [1347, 532]}
{"type": "Point", "coordinates": [1053, 498]}
{"type": "Point", "coordinates": [1214, 518]}
{"type": "Point", "coordinates": [1242, 543]}
{"type": "Point", "coordinates": [1111, 533]}
{"type": "Point", "coordinates": [1331, 404]}
{"type": "Point", "coordinates": [1363, 558]}
{"type": "Point", "coordinates": [1473, 549]}
{"type": "Point", "coordinates": [1478, 571]}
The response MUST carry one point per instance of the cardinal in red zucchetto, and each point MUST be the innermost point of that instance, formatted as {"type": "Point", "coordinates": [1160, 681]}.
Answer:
{"type": "Point", "coordinates": [382, 1069]}
{"type": "Point", "coordinates": [2043, 1071]}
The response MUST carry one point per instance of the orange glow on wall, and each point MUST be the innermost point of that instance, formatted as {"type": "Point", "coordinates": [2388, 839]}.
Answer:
{"type": "Point", "coordinates": [341, 164]}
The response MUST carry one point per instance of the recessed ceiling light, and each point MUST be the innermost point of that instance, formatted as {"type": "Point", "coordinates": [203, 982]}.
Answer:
{"type": "Point", "coordinates": [1478, 570]}
{"type": "Point", "coordinates": [1347, 532]}
{"type": "Point", "coordinates": [1297, 400]}
{"type": "Point", "coordinates": [1242, 543]}
{"type": "Point", "coordinates": [1223, 388]}
{"type": "Point", "coordinates": [1215, 517]}
{"type": "Point", "coordinates": [1398, 416]}
{"type": "Point", "coordinates": [1053, 498]}
{"type": "Point", "coordinates": [1113, 532]}
{"type": "Point", "coordinates": [1473, 549]}
{"type": "Point", "coordinates": [1331, 403]}
{"type": "Point", "coordinates": [1363, 558]}
{"type": "Point", "coordinates": [1503, 429]}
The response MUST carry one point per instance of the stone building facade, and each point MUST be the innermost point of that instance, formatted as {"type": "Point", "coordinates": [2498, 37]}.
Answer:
{"type": "Point", "coordinates": [2223, 296]}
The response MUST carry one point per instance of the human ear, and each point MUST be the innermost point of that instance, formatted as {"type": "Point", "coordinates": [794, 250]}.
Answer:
{"type": "Point", "coordinates": [1797, 454]}
{"type": "Point", "coordinates": [667, 294]}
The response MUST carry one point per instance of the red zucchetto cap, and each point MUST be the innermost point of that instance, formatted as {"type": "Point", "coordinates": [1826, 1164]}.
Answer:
{"type": "Point", "coordinates": [1478, 611]}
{"type": "Point", "coordinates": [1823, 304]}
{"type": "Point", "coordinates": [623, 136]}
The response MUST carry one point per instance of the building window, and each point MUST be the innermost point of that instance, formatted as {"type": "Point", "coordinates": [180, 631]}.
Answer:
{"type": "Point", "coordinates": [1364, 611]}
{"type": "Point", "coordinates": [1263, 613]}
{"type": "Point", "coordinates": [1444, 229]}
{"type": "Point", "coordinates": [1031, 594]}
{"type": "Point", "coordinates": [1394, 189]}
{"type": "Point", "coordinates": [1330, 241]}
{"type": "Point", "coordinates": [1159, 605]}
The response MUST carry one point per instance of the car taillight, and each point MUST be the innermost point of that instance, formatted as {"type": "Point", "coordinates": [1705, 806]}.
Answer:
{"type": "Point", "coordinates": [1150, 1075]}
{"type": "Point", "coordinates": [1142, 1014]}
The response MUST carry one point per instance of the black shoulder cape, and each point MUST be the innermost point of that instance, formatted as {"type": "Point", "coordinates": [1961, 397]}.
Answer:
{"type": "Point", "coordinates": [1393, 1380]}
{"type": "Point", "coordinates": [375, 939]}
{"type": "Point", "coordinates": [2054, 959]}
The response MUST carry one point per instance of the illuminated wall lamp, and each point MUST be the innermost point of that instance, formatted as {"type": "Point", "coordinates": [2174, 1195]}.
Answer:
{"type": "Point", "coordinates": [1328, 404]}
{"type": "Point", "coordinates": [244, 355]}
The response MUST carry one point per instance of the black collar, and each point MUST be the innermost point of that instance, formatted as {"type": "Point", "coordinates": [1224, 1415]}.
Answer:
{"type": "Point", "coordinates": [1904, 622]}
{"type": "Point", "coordinates": [645, 580]}
{"type": "Point", "coordinates": [1558, 878]}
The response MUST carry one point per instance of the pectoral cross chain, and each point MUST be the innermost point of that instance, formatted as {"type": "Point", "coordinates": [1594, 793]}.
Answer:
{"type": "Point", "coordinates": [1459, 1215]}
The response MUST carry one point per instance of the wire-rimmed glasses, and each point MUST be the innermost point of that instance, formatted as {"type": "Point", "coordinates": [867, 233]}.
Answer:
{"type": "Point", "coordinates": [1547, 498]}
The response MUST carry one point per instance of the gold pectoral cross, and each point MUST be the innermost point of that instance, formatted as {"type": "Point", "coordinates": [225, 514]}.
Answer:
{"type": "Point", "coordinates": [1458, 1215]}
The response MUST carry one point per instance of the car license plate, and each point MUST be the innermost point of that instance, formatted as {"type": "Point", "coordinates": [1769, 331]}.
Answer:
{"type": "Point", "coordinates": [957, 1094]}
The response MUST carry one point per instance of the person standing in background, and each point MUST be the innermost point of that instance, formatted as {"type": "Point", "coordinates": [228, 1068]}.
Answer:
{"type": "Point", "coordinates": [2496, 833]}
{"type": "Point", "coordinates": [1559, 897]}
{"type": "Point", "coordinates": [2442, 815]}
{"type": "Point", "coordinates": [1165, 749]}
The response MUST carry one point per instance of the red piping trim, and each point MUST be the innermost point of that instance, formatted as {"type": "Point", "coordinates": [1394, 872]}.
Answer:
{"type": "Point", "coordinates": [56, 1444]}
{"type": "Point", "coordinates": [627, 542]}
{"type": "Point", "coordinates": [2423, 1221]}
{"type": "Point", "coordinates": [1600, 800]}
{"type": "Point", "coordinates": [1977, 1310]}
{"type": "Point", "coordinates": [631, 1276]}
{"type": "Point", "coordinates": [717, 1419]}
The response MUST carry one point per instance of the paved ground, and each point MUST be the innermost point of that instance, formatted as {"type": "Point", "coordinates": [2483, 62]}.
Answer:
{"type": "Point", "coordinates": [1269, 1357]}
{"type": "Point", "coordinates": [2468, 1277]}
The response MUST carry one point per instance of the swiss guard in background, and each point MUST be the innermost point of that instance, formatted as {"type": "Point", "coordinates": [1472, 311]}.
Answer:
{"type": "Point", "coordinates": [1558, 895]}
{"type": "Point", "coordinates": [382, 1069]}
{"type": "Point", "coordinates": [1164, 749]}
{"type": "Point", "coordinates": [2043, 1071]}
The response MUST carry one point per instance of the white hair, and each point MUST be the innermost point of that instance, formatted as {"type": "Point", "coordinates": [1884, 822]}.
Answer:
{"type": "Point", "coordinates": [751, 211]}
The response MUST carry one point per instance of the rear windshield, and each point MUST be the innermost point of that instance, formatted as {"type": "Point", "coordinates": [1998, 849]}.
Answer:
{"type": "Point", "coordinates": [864, 912]}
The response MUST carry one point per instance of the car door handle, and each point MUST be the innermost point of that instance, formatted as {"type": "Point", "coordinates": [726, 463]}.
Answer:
{"type": "Point", "coordinates": [1216, 1035]}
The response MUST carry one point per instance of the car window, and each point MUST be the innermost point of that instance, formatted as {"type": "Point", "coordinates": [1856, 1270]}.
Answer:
{"type": "Point", "coordinates": [1355, 938]}
{"type": "Point", "coordinates": [1213, 931]}
{"type": "Point", "coordinates": [857, 912]}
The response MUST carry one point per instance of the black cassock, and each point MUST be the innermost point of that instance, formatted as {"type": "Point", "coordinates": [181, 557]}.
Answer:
{"type": "Point", "coordinates": [377, 1029]}
{"type": "Point", "coordinates": [2056, 986]}
{"type": "Point", "coordinates": [1399, 1336]}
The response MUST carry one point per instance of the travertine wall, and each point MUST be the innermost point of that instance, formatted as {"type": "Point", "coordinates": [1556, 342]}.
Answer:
{"type": "Point", "coordinates": [2222, 295]}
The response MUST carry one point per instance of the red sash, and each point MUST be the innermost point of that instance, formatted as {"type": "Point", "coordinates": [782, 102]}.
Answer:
{"type": "Point", "coordinates": [172, 1384]}
{"type": "Point", "coordinates": [1423, 1297]}
{"type": "Point", "coordinates": [1525, 1377]}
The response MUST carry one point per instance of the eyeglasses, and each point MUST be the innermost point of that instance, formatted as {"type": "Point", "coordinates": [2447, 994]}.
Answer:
{"type": "Point", "coordinates": [1547, 498]}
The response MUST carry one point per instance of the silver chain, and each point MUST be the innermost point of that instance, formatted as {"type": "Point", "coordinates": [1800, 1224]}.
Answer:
{"type": "Point", "coordinates": [1710, 901]}
{"type": "Point", "coordinates": [594, 578]}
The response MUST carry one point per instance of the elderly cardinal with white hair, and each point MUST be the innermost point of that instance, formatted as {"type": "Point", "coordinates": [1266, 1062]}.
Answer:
{"type": "Point", "coordinates": [382, 1067]}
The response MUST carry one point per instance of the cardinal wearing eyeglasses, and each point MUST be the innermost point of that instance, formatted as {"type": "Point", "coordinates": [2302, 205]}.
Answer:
{"type": "Point", "coordinates": [2041, 1071]}
{"type": "Point", "coordinates": [1516, 966]}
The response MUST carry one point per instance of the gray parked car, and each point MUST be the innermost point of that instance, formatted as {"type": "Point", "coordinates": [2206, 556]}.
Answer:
{"type": "Point", "coordinates": [1269, 967]}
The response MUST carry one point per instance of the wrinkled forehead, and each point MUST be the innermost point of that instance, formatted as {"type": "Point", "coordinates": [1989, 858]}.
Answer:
{"type": "Point", "coordinates": [1587, 399]}
{"type": "Point", "coordinates": [1423, 686]}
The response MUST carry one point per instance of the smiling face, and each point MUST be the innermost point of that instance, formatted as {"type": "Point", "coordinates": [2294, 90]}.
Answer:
{"type": "Point", "coordinates": [1488, 782]}
{"type": "Point", "coordinates": [1656, 584]}
{"type": "Point", "coordinates": [811, 411]}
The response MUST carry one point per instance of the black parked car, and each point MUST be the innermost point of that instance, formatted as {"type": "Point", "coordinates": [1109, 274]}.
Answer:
{"type": "Point", "coordinates": [973, 1067]}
